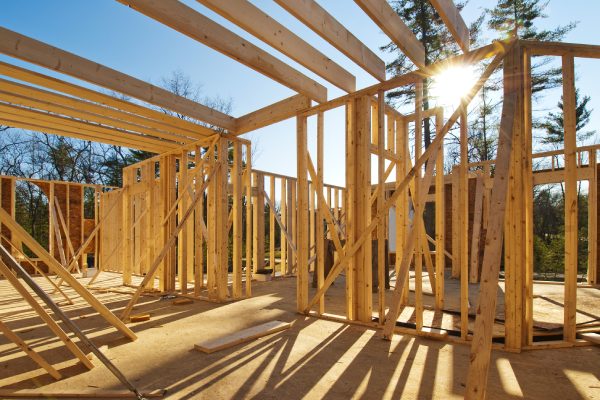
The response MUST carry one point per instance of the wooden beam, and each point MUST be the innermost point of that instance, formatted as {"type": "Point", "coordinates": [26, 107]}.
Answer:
{"type": "Point", "coordinates": [325, 25]}
{"type": "Point", "coordinates": [27, 115]}
{"type": "Point", "coordinates": [71, 132]}
{"type": "Point", "coordinates": [15, 93]}
{"type": "Point", "coordinates": [146, 116]}
{"type": "Point", "coordinates": [571, 206]}
{"type": "Point", "coordinates": [454, 22]}
{"type": "Point", "coordinates": [258, 23]}
{"type": "Point", "coordinates": [390, 23]}
{"type": "Point", "coordinates": [195, 25]}
{"type": "Point", "coordinates": [36, 52]}
{"type": "Point", "coordinates": [271, 114]}
{"type": "Point", "coordinates": [302, 214]}
{"type": "Point", "coordinates": [486, 307]}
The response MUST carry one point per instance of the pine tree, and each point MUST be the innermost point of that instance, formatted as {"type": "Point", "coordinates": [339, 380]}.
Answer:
{"type": "Point", "coordinates": [431, 31]}
{"type": "Point", "coordinates": [518, 18]}
{"type": "Point", "coordinates": [553, 124]}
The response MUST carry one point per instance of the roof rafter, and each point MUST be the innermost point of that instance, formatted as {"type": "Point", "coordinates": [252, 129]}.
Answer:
{"type": "Point", "coordinates": [36, 52]}
{"type": "Point", "coordinates": [63, 107]}
{"type": "Point", "coordinates": [188, 21]}
{"type": "Point", "coordinates": [258, 23]}
{"type": "Point", "coordinates": [27, 115]}
{"type": "Point", "coordinates": [325, 25]}
{"type": "Point", "coordinates": [454, 21]}
{"type": "Point", "coordinates": [392, 25]}
{"type": "Point", "coordinates": [154, 118]}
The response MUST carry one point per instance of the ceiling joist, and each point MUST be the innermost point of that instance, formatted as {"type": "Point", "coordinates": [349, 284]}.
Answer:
{"type": "Point", "coordinates": [189, 22]}
{"type": "Point", "coordinates": [27, 49]}
{"type": "Point", "coordinates": [156, 119]}
{"type": "Point", "coordinates": [454, 21]}
{"type": "Point", "coordinates": [311, 14]}
{"type": "Point", "coordinates": [258, 23]}
{"type": "Point", "coordinates": [392, 25]}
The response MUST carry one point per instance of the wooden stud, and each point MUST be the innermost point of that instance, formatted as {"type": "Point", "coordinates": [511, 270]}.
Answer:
{"type": "Point", "coordinates": [571, 232]}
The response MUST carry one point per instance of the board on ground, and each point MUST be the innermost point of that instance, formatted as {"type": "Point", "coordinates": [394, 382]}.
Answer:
{"type": "Point", "coordinates": [242, 336]}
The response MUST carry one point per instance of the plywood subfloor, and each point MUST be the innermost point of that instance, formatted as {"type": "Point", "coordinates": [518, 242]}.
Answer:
{"type": "Point", "coordinates": [314, 359]}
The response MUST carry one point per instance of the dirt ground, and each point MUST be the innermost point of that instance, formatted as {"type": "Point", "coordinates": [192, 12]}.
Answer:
{"type": "Point", "coordinates": [314, 359]}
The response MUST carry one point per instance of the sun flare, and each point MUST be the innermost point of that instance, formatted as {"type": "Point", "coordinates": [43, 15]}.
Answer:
{"type": "Point", "coordinates": [452, 84]}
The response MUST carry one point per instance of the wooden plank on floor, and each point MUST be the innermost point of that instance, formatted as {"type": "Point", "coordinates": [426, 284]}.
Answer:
{"type": "Point", "coordinates": [242, 336]}
{"type": "Point", "coordinates": [590, 337]}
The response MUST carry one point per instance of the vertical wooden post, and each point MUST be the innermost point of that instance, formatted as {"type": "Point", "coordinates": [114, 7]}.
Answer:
{"type": "Point", "coordinates": [248, 184]}
{"type": "Point", "coordinates": [320, 229]}
{"type": "Point", "coordinates": [486, 308]}
{"type": "Point", "coordinates": [168, 174]}
{"type": "Point", "coordinates": [419, 227]}
{"type": "Point", "coordinates": [381, 254]}
{"type": "Point", "coordinates": [258, 223]}
{"type": "Point", "coordinates": [284, 221]}
{"type": "Point", "coordinates": [528, 197]}
{"type": "Point", "coordinates": [440, 219]}
{"type": "Point", "coordinates": [127, 243]}
{"type": "Point", "coordinates": [570, 121]}
{"type": "Point", "coordinates": [272, 225]}
{"type": "Point", "coordinates": [302, 214]}
{"type": "Point", "coordinates": [593, 220]}
{"type": "Point", "coordinates": [182, 242]}
{"type": "Point", "coordinates": [463, 227]}
{"type": "Point", "coordinates": [199, 226]}
{"type": "Point", "coordinates": [51, 210]}
{"type": "Point", "coordinates": [349, 208]}
{"type": "Point", "coordinates": [236, 177]}
{"type": "Point", "coordinates": [358, 163]}
{"type": "Point", "coordinates": [222, 181]}
{"type": "Point", "coordinates": [455, 179]}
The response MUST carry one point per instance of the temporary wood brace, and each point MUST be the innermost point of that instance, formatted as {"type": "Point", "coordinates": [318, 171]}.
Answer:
{"type": "Point", "coordinates": [58, 269]}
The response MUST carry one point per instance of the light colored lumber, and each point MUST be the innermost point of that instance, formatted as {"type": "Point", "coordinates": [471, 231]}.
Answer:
{"type": "Point", "coordinates": [325, 25]}
{"type": "Point", "coordinates": [272, 114]}
{"type": "Point", "coordinates": [454, 22]}
{"type": "Point", "coordinates": [90, 394]}
{"type": "Point", "coordinates": [258, 23]}
{"type": "Point", "coordinates": [36, 52]}
{"type": "Point", "coordinates": [195, 25]}
{"type": "Point", "coordinates": [302, 214]}
{"type": "Point", "coordinates": [382, 13]}
{"type": "Point", "coordinates": [486, 307]}
{"type": "Point", "coordinates": [243, 336]}
{"type": "Point", "coordinates": [169, 242]}
{"type": "Point", "coordinates": [590, 337]}
{"type": "Point", "coordinates": [136, 113]}
{"type": "Point", "coordinates": [38, 359]}
{"type": "Point", "coordinates": [55, 267]}
{"type": "Point", "coordinates": [571, 207]}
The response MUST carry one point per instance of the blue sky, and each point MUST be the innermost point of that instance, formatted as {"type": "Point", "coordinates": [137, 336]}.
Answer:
{"type": "Point", "coordinates": [108, 32]}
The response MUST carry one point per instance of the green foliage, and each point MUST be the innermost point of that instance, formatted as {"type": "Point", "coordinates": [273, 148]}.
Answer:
{"type": "Point", "coordinates": [553, 124]}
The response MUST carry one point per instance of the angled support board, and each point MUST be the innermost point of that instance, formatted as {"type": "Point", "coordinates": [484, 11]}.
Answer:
{"type": "Point", "coordinates": [486, 306]}
{"type": "Point", "coordinates": [453, 20]}
{"type": "Point", "coordinates": [271, 114]}
{"type": "Point", "coordinates": [188, 21]}
{"type": "Point", "coordinates": [10, 262]}
{"type": "Point", "coordinates": [390, 23]}
{"type": "Point", "coordinates": [258, 23]}
{"type": "Point", "coordinates": [36, 357]}
{"type": "Point", "coordinates": [245, 335]}
{"type": "Point", "coordinates": [325, 25]}
{"type": "Point", "coordinates": [55, 267]}
{"type": "Point", "coordinates": [36, 52]}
